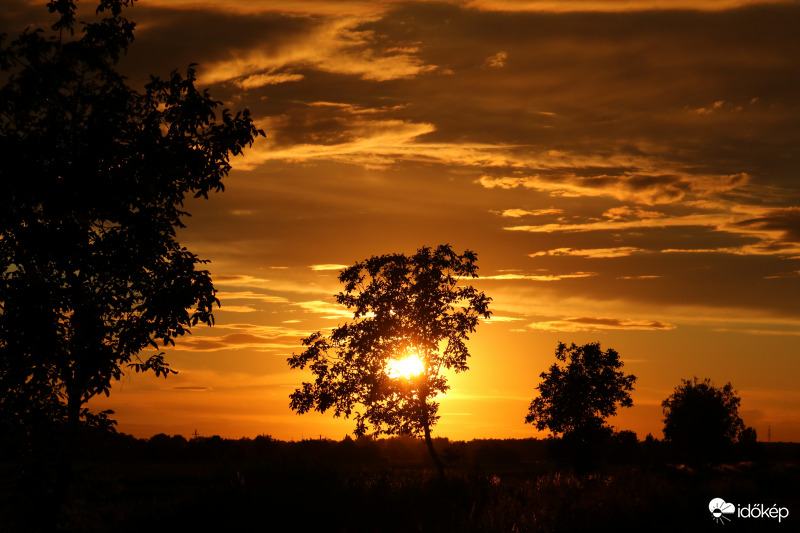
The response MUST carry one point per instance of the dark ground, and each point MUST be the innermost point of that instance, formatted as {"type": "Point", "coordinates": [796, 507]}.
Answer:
{"type": "Point", "coordinates": [170, 484]}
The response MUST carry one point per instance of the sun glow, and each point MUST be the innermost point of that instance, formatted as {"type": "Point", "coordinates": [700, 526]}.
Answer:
{"type": "Point", "coordinates": [407, 367]}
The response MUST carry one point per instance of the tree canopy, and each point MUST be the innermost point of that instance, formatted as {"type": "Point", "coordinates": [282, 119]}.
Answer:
{"type": "Point", "coordinates": [405, 308]}
{"type": "Point", "coordinates": [575, 398]}
{"type": "Point", "coordinates": [94, 178]}
{"type": "Point", "coordinates": [703, 420]}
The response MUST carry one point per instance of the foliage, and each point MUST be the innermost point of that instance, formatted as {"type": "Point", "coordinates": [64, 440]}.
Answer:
{"type": "Point", "coordinates": [169, 484]}
{"type": "Point", "coordinates": [94, 182]}
{"type": "Point", "coordinates": [703, 420]}
{"type": "Point", "coordinates": [576, 398]}
{"type": "Point", "coordinates": [400, 305]}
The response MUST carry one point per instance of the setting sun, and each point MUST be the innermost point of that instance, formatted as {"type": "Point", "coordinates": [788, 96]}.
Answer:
{"type": "Point", "coordinates": [407, 367]}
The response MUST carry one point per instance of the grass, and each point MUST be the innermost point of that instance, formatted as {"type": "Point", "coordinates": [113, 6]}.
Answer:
{"type": "Point", "coordinates": [327, 486]}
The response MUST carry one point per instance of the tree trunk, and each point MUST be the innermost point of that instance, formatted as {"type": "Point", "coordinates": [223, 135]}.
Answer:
{"type": "Point", "coordinates": [432, 450]}
{"type": "Point", "coordinates": [426, 426]}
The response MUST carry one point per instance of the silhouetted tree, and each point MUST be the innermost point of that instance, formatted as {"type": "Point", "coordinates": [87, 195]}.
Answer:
{"type": "Point", "coordinates": [575, 398]}
{"type": "Point", "coordinates": [702, 421]}
{"type": "Point", "coordinates": [401, 306]}
{"type": "Point", "coordinates": [94, 178]}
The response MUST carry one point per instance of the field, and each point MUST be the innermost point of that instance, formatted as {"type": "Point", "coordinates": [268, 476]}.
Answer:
{"type": "Point", "coordinates": [171, 484]}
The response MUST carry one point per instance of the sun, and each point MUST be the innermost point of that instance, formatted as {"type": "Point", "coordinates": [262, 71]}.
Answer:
{"type": "Point", "coordinates": [407, 367]}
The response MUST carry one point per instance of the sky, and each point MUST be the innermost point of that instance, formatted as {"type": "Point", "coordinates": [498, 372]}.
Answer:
{"type": "Point", "coordinates": [626, 171]}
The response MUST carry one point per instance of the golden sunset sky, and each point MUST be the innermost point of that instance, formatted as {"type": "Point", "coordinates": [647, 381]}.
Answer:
{"type": "Point", "coordinates": [627, 172]}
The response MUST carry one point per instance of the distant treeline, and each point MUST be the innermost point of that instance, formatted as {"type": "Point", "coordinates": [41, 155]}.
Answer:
{"type": "Point", "coordinates": [622, 448]}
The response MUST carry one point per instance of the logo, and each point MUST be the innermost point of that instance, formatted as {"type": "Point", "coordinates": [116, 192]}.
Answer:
{"type": "Point", "coordinates": [720, 508]}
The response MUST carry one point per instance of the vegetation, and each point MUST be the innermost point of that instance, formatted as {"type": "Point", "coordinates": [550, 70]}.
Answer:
{"type": "Point", "coordinates": [169, 483]}
{"type": "Point", "coordinates": [575, 398]}
{"type": "Point", "coordinates": [703, 420]}
{"type": "Point", "coordinates": [89, 280]}
{"type": "Point", "coordinates": [407, 312]}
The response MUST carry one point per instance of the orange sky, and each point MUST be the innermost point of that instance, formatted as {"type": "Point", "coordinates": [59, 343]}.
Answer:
{"type": "Point", "coordinates": [627, 177]}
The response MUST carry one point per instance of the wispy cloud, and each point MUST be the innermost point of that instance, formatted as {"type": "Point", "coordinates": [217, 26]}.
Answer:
{"type": "Point", "coordinates": [237, 309]}
{"type": "Point", "coordinates": [767, 332]}
{"type": "Point", "coordinates": [516, 213]}
{"type": "Point", "coordinates": [495, 318]}
{"type": "Point", "coordinates": [609, 5]}
{"type": "Point", "coordinates": [369, 142]}
{"type": "Point", "coordinates": [327, 267]}
{"type": "Point", "coordinates": [621, 251]}
{"type": "Point", "coordinates": [245, 336]}
{"type": "Point", "coordinates": [497, 60]}
{"type": "Point", "coordinates": [249, 295]}
{"type": "Point", "coordinates": [578, 324]}
{"type": "Point", "coordinates": [234, 341]}
{"type": "Point", "coordinates": [631, 213]}
{"type": "Point", "coordinates": [540, 277]}
{"type": "Point", "coordinates": [329, 310]}
{"type": "Point", "coordinates": [335, 44]}
{"type": "Point", "coordinates": [642, 185]}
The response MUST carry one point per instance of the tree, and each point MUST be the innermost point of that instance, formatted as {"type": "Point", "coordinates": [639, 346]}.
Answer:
{"type": "Point", "coordinates": [411, 321]}
{"type": "Point", "coordinates": [576, 398]}
{"type": "Point", "coordinates": [94, 178]}
{"type": "Point", "coordinates": [701, 420]}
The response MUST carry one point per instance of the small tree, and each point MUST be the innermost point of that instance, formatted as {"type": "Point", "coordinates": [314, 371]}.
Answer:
{"type": "Point", "coordinates": [702, 421]}
{"type": "Point", "coordinates": [576, 398]}
{"type": "Point", "coordinates": [411, 321]}
{"type": "Point", "coordinates": [94, 178]}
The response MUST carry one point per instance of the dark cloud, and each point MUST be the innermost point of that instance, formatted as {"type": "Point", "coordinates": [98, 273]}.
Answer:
{"type": "Point", "coordinates": [601, 323]}
{"type": "Point", "coordinates": [785, 222]}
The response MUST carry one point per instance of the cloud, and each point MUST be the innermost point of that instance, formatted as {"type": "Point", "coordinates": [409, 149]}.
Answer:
{"type": "Point", "coordinates": [495, 318]}
{"type": "Point", "coordinates": [245, 336]}
{"type": "Point", "coordinates": [777, 231]}
{"type": "Point", "coordinates": [234, 341]}
{"type": "Point", "coordinates": [715, 220]}
{"type": "Point", "coordinates": [490, 182]}
{"type": "Point", "coordinates": [721, 106]}
{"type": "Point", "coordinates": [624, 185]}
{"type": "Point", "coordinates": [284, 282]}
{"type": "Point", "coordinates": [578, 324]}
{"type": "Point", "coordinates": [621, 251]}
{"type": "Point", "coordinates": [768, 332]}
{"type": "Point", "coordinates": [249, 7]}
{"type": "Point", "coordinates": [324, 308]}
{"type": "Point", "coordinates": [237, 309]}
{"type": "Point", "coordinates": [537, 277]}
{"type": "Point", "coordinates": [610, 5]}
{"type": "Point", "coordinates": [248, 295]}
{"type": "Point", "coordinates": [631, 213]}
{"type": "Point", "coordinates": [335, 44]}
{"type": "Point", "coordinates": [267, 78]}
{"type": "Point", "coordinates": [782, 224]}
{"type": "Point", "coordinates": [327, 267]}
{"type": "Point", "coordinates": [498, 60]}
{"type": "Point", "coordinates": [793, 274]}
{"type": "Point", "coordinates": [372, 143]}
{"type": "Point", "coordinates": [516, 213]}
